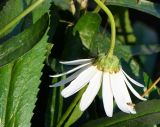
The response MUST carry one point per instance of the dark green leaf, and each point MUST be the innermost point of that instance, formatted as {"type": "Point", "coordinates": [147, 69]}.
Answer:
{"type": "Point", "coordinates": [75, 115]}
{"type": "Point", "coordinates": [148, 113]}
{"type": "Point", "coordinates": [71, 108]}
{"type": "Point", "coordinates": [12, 9]}
{"type": "Point", "coordinates": [144, 49]}
{"type": "Point", "coordinates": [87, 27]}
{"type": "Point", "coordinates": [64, 4]}
{"type": "Point", "coordinates": [23, 42]}
{"type": "Point", "coordinates": [54, 107]}
{"type": "Point", "coordinates": [73, 44]}
{"type": "Point", "coordinates": [129, 51]}
{"type": "Point", "coordinates": [144, 5]}
{"type": "Point", "coordinates": [147, 35]}
{"type": "Point", "coordinates": [40, 10]}
{"type": "Point", "coordinates": [19, 83]}
{"type": "Point", "coordinates": [144, 33]}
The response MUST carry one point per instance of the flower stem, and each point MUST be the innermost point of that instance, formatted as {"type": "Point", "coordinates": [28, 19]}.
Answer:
{"type": "Point", "coordinates": [70, 108]}
{"type": "Point", "coordinates": [151, 87]}
{"type": "Point", "coordinates": [113, 26]}
{"type": "Point", "coordinates": [97, 9]}
{"type": "Point", "coordinates": [20, 16]}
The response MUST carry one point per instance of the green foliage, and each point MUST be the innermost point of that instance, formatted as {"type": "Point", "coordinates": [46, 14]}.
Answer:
{"type": "Point", "coordinates": [64, 4]}
{"type": "Point", "coordinates": [75, 115]}
{"type": "Point", "coordinates": [12, 9]}
{"type": "Point", "coordinates": [147, 115]}
{"type": "Point", "coordinates": [23, 42]}
{"type": "Point", "coordinates": [143, 5]}
{"type": "Point", "coordinates": [19, 87]}
{"type": "Point", "coordinates": [40, 10]}
{"type": "Point", "coordinates": [87, 27]}
{"type": "Point", "coordinates": [125, 31]}
{"type": "Point", "coordinates": [148, 36]}
{"type": "Point", "coordinates": [54, 109]}
{"type": "Point", "coordinates": [98, 42]}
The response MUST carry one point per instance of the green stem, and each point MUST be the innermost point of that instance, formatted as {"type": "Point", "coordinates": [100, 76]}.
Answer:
{"type": "Point", "coordinates": [97, 9]}
{"type": "Point", "coordinates": [113, 26]}
{"type": "Point", "coordinates": [70, 108]}
{"type": "Point", "coordinates": [20, 16]}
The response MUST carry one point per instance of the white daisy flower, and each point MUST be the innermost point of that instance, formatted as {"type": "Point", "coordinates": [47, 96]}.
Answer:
{"type": "Point", "coordinates": [94, 72]}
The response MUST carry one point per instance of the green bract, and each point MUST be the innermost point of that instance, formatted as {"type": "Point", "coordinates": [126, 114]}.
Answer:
{"type": "Point", "coordinates": [107, 63]}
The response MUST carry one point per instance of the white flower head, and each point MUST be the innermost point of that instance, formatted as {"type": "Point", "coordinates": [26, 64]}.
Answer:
{"type": "Point", "coordinates": [103, 70]}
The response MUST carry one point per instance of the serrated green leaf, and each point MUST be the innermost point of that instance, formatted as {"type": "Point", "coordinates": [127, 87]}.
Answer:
{"type": "Point", "coordinates": [87, 26]}
{"type": "Point", "coordinates": [75, 115]}
{"type": "Point", "coordinates": [19, 82]}
{"type": "Point", "coordinates": [144, 6]}
{"type": "Point", "coordinates": [148, 113]}
{"type": "Point", "coordinates": [9, 12]}
{"type": "Point", "coordinates": [23, 42]}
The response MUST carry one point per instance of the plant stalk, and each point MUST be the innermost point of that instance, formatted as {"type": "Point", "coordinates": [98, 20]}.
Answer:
{"type": "Point", "coordinates": [113, 26]}
{"type": "Point", "coordinates": [70, 108]}
{"type": "Point", "coordinates": [151, 87]}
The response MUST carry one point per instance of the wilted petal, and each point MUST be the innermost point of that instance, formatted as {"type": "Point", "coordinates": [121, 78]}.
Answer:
{"type": "Point", "coordinates": [132, 89]}
{"type": "Point", "coordinates": [76, 62]}
{"type": "Point", "coordinates": [132, 80]}
{"type": "Point", "coordinates": [107, 95]}
{"type": "Point", "coordinates": [79, 82]}
{"type": "Point", "coordinates": [91, 91]}
{"type": "Point", "coordinates": [70, 71]}
{"type": "Point", "coordinates": [120, 93]}
{"type": "Point", "coordinates": [69, 78]}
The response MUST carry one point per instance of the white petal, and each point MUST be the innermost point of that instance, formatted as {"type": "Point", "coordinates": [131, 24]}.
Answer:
{"type": "Point", "coordinates": [107, 95]}
{"type": "Point", "coordinates": [132, 89]}
{"type": "Point", "coordinates": [120, 93]}
{"type": "Point", "coordinates": [76, 62]}
{"type": "Point", "coordinates": [70, 71]}
{"type": "Point", "coordinates": [132, 80]}
{"type": "Point", "coordinates": [69, 78]}
{"type": "Point", "coordinates": [91, 91]}
{"type": "Point", "coordinates": [79, 82]}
